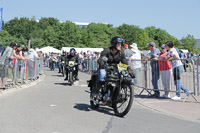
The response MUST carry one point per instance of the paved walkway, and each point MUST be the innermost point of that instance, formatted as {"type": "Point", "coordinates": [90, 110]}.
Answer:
{"type": "Point", "coordinates": [190, 109]}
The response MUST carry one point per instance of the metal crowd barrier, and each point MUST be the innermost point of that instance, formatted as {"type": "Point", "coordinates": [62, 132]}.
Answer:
{"type": "Point", "coordinates": [88, 65]}
{"type": "Point", "coordinates": [189, 77]}
{"type": "Point", "coordinates": [23, 71]}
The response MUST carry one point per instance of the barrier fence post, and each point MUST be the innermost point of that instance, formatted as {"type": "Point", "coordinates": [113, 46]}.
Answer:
{"type": "Point", "coordinates": [13, 74]}
{"type": "Point", "coordinates": [34, 69]}
{"type": "Point", "coordinates": [193, 76]}
{"type": "Point", "coordinates": [198, 63]}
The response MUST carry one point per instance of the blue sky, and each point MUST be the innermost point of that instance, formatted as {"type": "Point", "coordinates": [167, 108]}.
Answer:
{"type": "Point", "coordinates": [177, 17]}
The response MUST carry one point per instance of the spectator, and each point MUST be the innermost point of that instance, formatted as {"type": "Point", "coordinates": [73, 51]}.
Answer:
{"type": "Point", "coordinates": [1, 51]}
{"type": "Point", "coordinates": [165, 72]}
{"type": "Point", "coordinates": [32, 56]}
{"type": "Point", "coordinates": [136, 64]}
{"type": "Point", "coordinates": [154, 52]}
{"type": "Point", "coordinates": [128, 53]}
{"type": "Point", "coordinates": [46, 60]}
{"type": "Point", "coordinates": [52, 62]}
{"type": "Point", "coordinates": [177, 69]}
{"type": "Point", "coordinates": [5, 62]}
{"type": "Point", "coordinates": [23, 63]}
{"type": "Point", "coordinates": [182, 55]}
{"type": "Point", "coordinates": [189, 54]}
{"type": "Point", "coordinates": [85, 62]}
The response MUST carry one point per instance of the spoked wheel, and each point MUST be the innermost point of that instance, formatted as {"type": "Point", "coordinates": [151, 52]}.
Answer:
{"type": "Point", "coordinates": [70, 78]}
{"type": "Point", "coordinates": [123, 101]}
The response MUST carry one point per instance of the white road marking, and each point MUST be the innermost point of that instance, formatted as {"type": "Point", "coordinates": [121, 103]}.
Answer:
{"type": "Point", "coordinates": [157, 102]}
{"type": "Point", "coordinates": [52, 105]}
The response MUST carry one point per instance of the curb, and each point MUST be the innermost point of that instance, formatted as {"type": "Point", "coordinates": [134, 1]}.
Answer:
{"type": "Point", "coordinates": [23, 86]}
{"type": "Point", "coordinates": [164, 112]}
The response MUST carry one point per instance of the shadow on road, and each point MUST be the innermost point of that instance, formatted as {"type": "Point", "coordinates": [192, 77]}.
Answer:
{"type": "Point", "coordinates": [58, 75]}
{"type": "Point", "coordinates": [64, 84]}
{"type": "Point", "coordinates": [86, 107]}
{"type": "Point", "coordinates": [149, 97]}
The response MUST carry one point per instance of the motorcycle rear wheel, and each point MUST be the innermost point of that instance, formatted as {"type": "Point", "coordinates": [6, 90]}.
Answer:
{"type": "Point", "coordinates": [123, 100]}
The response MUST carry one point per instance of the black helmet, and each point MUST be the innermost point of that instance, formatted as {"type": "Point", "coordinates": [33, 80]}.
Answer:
{"type": "Point", "coordinates": [13, 44]}
{"type": "Point", "coordinates": [72, 50]}
{"type": "Point", "coordinates": [115, 40]}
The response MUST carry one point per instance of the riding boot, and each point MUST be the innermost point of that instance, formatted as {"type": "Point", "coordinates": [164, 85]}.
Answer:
{"type": "Point", "coordinates": [76, 76]}
{"type": "Point", "coordinates": [66, 78]}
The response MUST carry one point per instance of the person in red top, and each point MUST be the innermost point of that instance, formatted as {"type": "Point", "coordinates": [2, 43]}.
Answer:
{"type": "Point", "coordinates": [165, 71]}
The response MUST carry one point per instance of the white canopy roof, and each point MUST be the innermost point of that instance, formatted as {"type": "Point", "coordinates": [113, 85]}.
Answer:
{"type": "Point", "coordinates": [49, 49]}
{"type": "Point", "coordinates": [91, 50]}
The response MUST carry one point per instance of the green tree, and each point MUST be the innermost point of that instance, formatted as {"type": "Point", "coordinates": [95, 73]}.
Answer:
{"type": "Point", "coordinates": [37, 43]}
{"type": "Point", "coordinates": [99, 35]}
{"type": "Point", "coordinates": [46, 22]}
{"type": "Point", "coordinates": [189, 42]}
{"type": "Point", "coordinates": [6, 38]}
{"type": "Point", "coordinates": [161, 36]}
{"type": "Point", "coordinates": [68, 34]}
{"type": "Point", "coordinates": [129, 32]}
{"type": "Point", "coordinates": [143, 40]}
{"type": "Point", "coordinates": [20, 27]}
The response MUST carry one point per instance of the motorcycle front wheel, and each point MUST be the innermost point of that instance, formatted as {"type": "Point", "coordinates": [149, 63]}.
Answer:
{"type": "Point", "coordinates": [123, 100]}
{"type": "Point", "coordinates": [70, 78]}
{"type": "Point", "coordinates": [63, 71]}
{"type": "Point", "coordinates": [93, 104]}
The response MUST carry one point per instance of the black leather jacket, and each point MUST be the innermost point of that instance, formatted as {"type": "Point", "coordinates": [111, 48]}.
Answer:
{"type": "Point", "coordinates": [112, 58]}
{"type": "Point", "coordinates": [72, 58]}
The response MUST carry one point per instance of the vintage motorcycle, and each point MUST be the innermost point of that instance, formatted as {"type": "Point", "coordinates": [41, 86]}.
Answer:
{"type": "Point", "coordinates": [117, 91]}
{"type": "Point", "coordinates": [71, 72]}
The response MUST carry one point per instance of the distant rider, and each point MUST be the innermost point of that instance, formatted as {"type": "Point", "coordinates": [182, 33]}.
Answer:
{"type": "Point", "coordinates": [72, 57]}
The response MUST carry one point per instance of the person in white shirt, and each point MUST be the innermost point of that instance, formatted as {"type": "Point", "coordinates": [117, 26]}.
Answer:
{"type": "Point", "coordinates": [32, 56]}
{"type": "Point", "coordinates": [177, 67]}
{"type": "Point", "coordinates": [136, 64]}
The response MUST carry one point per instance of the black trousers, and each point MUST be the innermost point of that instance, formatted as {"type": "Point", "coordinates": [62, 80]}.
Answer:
{"type": "Point", "coordinates": [75, 72]}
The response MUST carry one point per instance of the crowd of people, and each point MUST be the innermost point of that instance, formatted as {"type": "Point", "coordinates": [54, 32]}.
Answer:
{"type": "Point", "coordinates": [8, 58]}
{"type": "Point", "coordinates": [56, 60]}
{"type": "Point", "coordinates": [164, 63]}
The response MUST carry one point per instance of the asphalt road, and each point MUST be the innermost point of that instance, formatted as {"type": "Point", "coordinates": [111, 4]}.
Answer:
{"type": "Point", "coordinates": [51, 106]}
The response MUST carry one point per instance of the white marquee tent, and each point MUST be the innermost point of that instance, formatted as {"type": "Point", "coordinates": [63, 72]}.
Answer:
{"type": "Point", "coordinates": [49, 49]}
{"type": "Point", "coordinates": [91, 50]}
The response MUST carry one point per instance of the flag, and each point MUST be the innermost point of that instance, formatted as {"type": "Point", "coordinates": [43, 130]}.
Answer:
{"type": "Point", "coordinates": [1, 17]}
{"type": "Point", "coordinates": [29, 45]}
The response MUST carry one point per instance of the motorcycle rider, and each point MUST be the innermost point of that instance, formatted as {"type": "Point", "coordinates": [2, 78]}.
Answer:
{"type": "Point", "coordinates": [114, 55]}
{"type": "Point", "coordinates": [72, 57]}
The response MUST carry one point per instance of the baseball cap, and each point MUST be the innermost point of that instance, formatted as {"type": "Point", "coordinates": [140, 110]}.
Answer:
{"type": "Point", "coordinates": [152, 44]}
{"type": "Point", "coordinates": [163, 46]}
{"type": "Point", "coordinates": [125, 45]}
